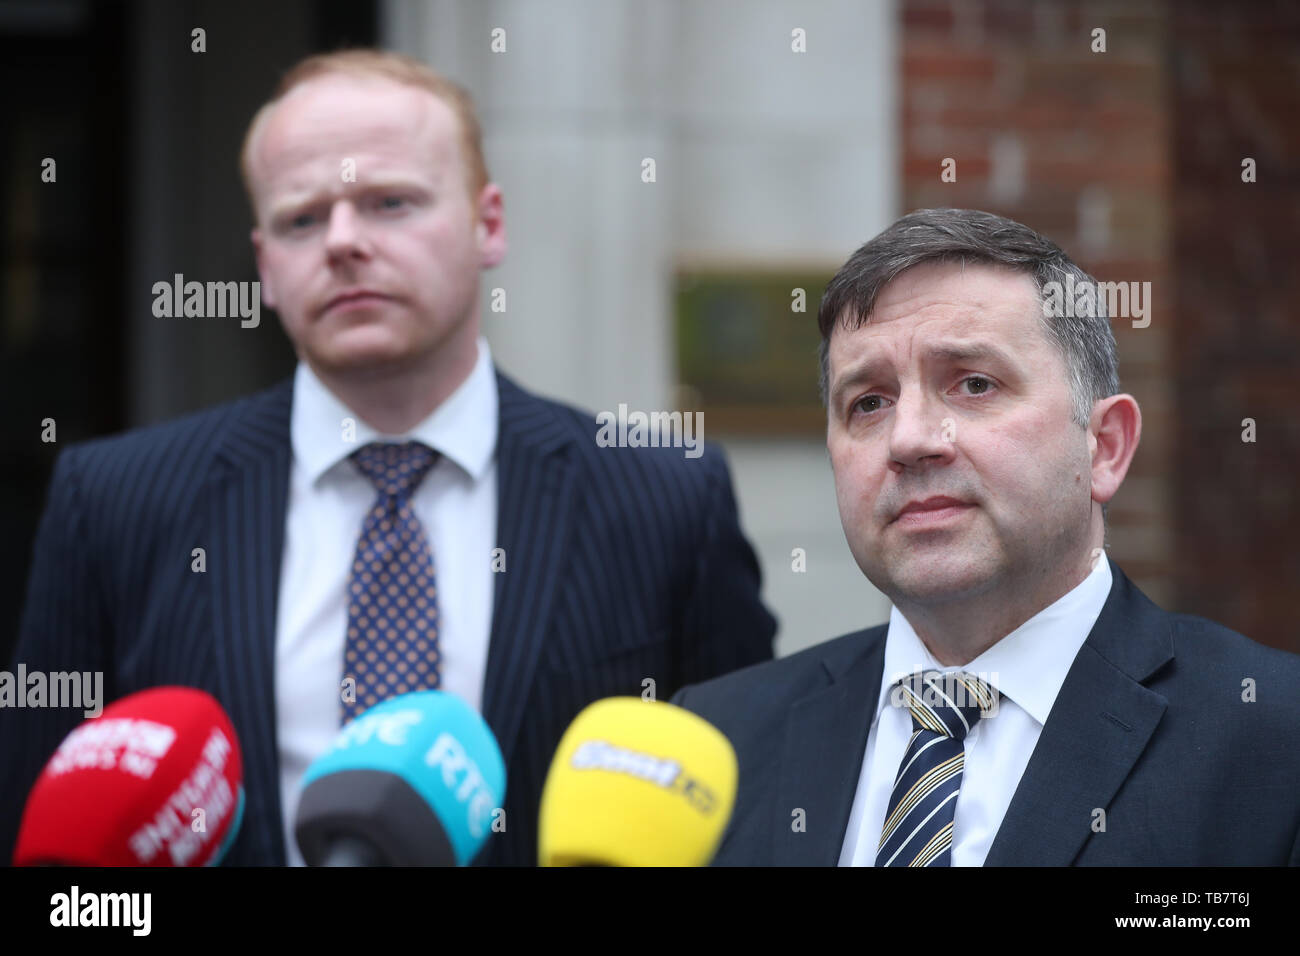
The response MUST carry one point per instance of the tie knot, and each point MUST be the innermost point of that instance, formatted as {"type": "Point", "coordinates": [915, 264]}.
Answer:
{"type": "Point", "coordinates": [395, 469]}
{"type": "Point", "coordinates": [946, 704]}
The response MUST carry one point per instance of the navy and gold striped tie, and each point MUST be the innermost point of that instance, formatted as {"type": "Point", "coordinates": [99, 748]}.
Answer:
{"type": "Point", "coordinates": [918, 824]}
{"type": "Point", "coordinates": [392, 637]}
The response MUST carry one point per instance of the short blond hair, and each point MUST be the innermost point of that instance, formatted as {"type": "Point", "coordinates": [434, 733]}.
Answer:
{"type": "Point", "coordinates": [381, 64]}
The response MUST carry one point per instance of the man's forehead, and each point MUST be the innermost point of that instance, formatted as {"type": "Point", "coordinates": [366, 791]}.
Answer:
{"type": "Point", "coordinates": [338, 115]}
{"type": "Point", "coordinates": [973, 290]}
{"type": "Point", "coordinates": [943, 313]}
{"type": "Point", "coordinates": [330, 93]}
{"type": "Point", "coordinates": [933, 301]}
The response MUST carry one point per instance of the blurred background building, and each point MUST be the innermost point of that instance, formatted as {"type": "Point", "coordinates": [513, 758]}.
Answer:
{"type": "Point", "coordinates": [783, 135]}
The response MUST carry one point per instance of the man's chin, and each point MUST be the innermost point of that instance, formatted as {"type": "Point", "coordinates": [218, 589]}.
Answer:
{"type": "Point", "coordinates": [362, 357]}
{"type": "Point", "coordinates": [931, 580]}
{"type": "Point", "coordinates": [361, 337]}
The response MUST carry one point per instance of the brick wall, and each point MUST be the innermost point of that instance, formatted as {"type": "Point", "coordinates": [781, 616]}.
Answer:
{"type": "Point", "coordinates": [1235, 89]}
{"type": "Point", "coordinates": [1074, 144]}
{"type": "Point", "coordinates": [1131, 160]}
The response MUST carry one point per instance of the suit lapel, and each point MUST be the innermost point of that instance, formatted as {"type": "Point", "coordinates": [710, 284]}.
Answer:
{"type": "Point", "coordinates": [247, 505]}
{"type": "Point", "coordinates": [1096, 731]}
{"type": "Point", "coordinates": [825, 742]}
{"type": "Point", "coordinates": [535, 493]}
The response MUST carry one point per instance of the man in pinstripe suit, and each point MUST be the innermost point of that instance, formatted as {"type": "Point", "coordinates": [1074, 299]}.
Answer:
{"type": "Point", "coordinates": [218, 550]}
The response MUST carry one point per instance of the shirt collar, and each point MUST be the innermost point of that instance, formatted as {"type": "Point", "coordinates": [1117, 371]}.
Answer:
{"type": "Point", "coordinates": [1029, 665]}
{"type": "Point", "coordinates": [462, 429]}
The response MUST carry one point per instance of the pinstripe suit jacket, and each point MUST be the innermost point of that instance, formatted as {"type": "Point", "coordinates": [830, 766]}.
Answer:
{"type": "Point", "coordinates": [622, 564]}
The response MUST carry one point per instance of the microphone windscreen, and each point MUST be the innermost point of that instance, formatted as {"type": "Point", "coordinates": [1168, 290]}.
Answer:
{"type": "Point", "coordinates": [637, 783]}
{"type": "Point", "coordinates": [419, 777]}
{"type": "Point", "coordinates": [154, 780]}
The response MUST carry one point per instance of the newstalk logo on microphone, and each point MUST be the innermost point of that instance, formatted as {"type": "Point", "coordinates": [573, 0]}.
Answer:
{"type": "Point", "coordinates": [661, 771]}
{"type": "Point", "coordinates": [103, 909]}
{"type": "Point", "coordinates": [57, 689]}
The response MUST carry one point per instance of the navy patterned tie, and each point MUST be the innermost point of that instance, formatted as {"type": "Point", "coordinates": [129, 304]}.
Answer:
{"type": "Point", "coordinates": [392, 636]}
{"type": "Point", "coordinates": [918, 824]}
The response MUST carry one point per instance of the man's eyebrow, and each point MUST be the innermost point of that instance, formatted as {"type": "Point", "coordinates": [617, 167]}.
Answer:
{"type": "Point", "coordinates": [292, 202]}
{"type": "Point", "coordinates": [863, 372]}
{"type": "Point", "coordinates": [950, 352]}
{"type": "Point", "coordinates": [976, 351]}
{"type": "Point", "coordinates": [295, 201]}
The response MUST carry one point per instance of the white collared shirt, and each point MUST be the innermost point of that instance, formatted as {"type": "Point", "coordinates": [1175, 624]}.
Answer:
{"type": "Point", "coordinates": [1028, 666]}
{"type": "Point", "coordinates": [328, 499]}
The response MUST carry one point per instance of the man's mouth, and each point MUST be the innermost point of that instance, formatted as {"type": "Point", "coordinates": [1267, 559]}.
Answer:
{"type": "Point", "coordinates": [355, 299]}
{"type": "Point", "coordinates": [931, 512]}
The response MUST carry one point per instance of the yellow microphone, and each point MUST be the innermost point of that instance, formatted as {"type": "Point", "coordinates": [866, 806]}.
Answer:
{"type": "Point", "coordinates": [637, 783]}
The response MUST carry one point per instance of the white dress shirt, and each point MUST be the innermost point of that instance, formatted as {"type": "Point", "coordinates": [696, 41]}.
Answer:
{"type": "Point", "coordinates": [1028, 666]}
{"type": "Point", "coordinates": [328, 499]}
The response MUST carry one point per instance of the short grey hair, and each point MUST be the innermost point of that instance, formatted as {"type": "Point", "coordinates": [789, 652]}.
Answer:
{"type": "Point", "coordinates": [1086, 343]}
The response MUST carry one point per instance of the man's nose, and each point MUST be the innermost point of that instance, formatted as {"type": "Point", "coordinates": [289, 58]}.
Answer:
{"type": "Point", "coordinates": [345, 237]}
{"type": "Point", "coordinates": [921, 430]}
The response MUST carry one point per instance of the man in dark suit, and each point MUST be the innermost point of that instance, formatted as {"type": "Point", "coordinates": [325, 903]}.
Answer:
{"type": "Point", "coordinates": [1026, 704]}
{"type": "Point", "coordinates": [398, 515]}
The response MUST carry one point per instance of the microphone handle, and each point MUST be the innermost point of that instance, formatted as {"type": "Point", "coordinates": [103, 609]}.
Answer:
{"type": "Point", "coordinates": [352, 851]}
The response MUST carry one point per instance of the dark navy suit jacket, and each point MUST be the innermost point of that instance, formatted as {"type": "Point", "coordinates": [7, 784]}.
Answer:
{"type": "Point", "coordinates": [621, 564]}
{"type": "Point", "coordinates": [1150, 725]}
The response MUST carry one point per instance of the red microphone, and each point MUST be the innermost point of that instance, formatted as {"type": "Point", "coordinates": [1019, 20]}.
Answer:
{"type": "Point", "coordinates": [155, 780]}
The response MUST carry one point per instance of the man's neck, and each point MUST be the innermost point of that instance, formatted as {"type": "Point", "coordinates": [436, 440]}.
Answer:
{"type": "Point", "coordinates": [958, 632]}
{"type": "Point", "coordinates": [395, 400]}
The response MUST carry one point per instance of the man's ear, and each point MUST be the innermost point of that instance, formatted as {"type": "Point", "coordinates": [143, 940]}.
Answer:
{"type": "Point", "coordinates": [490, 228]}
{"type": "Point", "coordinates": [1113, 435]}
{"type": "Point", "coordinates": [268, 292]}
